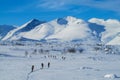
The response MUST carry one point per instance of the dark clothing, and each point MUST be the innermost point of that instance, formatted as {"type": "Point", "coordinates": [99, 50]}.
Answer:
{"type": "Point", "coordinates": [48, 64]}
{"type": "Point", "coordinates": [42, 65]}
{"type": "Point", "coordinates": [32, 68]}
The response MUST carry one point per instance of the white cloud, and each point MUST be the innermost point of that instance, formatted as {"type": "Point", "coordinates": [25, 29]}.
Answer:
{"type": "Point", "coordinates": [112, 5]}
{"type": "Point", "coordinates": [52, 4]}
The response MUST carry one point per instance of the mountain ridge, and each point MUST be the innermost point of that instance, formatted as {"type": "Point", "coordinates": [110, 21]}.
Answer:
{"type": "Point", "coordinates": [67, 29]}
{"type": "Point", "coordinates": [4, 29]}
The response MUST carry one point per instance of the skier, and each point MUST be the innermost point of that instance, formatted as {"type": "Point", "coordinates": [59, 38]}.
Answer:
{"type": "Point", "coordinates": [48, 64]}
{"type": "Point", "coordinates": [42, 65]}
{"type": "Point", "coordinates": [32, 69]}
{"type": "Point", "coordinates": [63, 58]}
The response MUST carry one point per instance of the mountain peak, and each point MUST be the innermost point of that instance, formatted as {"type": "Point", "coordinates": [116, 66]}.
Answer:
{"type": "Point", "coordinates": [74, 20]}
{"type": "Point", "coordinates": [71, 18]}
{"type": "Point", "coordinates": [36, 21]}
{"type": "Point", "coordinates": [33, 20]}
{"type": "Point", "coordinates": [4, 29]}
{"type": "Point", "coordinates": [31, 24]}
{"type": "Point", "coordinates": [24, 28]}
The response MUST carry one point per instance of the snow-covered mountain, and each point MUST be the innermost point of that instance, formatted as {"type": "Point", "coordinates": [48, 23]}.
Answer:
{"type": "Point", "coordinates": [64, 29]}
{"type": "Point", "coordinates": [4, 29]}
{"type": "Point", "coordinates": [111, 26]}
{"type": "Point", "coordinates": [16, 33]}
{"type": "Point", "coordinates": [67, 29]}
{"type": "Point", "coordinates": [115, 40]}
{"type": "Point", "coordinates": [74, 29]}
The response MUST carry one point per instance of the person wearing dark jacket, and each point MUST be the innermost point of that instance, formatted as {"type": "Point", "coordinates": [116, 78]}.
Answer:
{"type": "Point", "coordinates": [32, 69]}
{"type": "Point", "coordinates": [48, 64]}
{"type": "Point", "coordinates": [42, 65]}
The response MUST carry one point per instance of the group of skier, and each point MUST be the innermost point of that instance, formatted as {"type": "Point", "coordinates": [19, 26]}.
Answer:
{"type": "Point", "coordinates": [42, 66]}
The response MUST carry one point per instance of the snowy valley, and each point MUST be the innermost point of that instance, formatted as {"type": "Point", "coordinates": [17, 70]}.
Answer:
{"type": "Point", "coordinates": [74, 48]}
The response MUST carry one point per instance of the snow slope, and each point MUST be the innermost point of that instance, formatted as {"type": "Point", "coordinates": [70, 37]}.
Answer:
{"type": "Point", "coordinates": [4, 29]}
{"type": "Point", "coordinates": [16, 33]}
{"type": "Point", "coordinates": [40, 32]}
{"type": "Point", "coordinates": [112, 28]}
{"type": "Point", "coordinates": [44, 30]}
{"type": "Point", "coordinates": [96, 29]}
{"type": "Point", "coordinates": [115, 41]}
{"type": "Point", "coordinates": [76, 29]}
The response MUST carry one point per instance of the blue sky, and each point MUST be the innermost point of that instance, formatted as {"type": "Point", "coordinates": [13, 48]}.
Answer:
{"type": "Point", "coordinates": [17, 12]}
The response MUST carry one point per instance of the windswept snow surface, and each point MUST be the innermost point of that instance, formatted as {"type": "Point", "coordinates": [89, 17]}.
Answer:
{"type": "Point", "coordinates": [89, 65]}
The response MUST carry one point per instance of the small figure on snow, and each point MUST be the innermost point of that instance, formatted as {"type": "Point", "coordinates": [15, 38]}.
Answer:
{"type": "Point", "coordinates": [42, 65]}
{"type": "Point", "coordinates": [32, 69]}
{"type": "Point", "coordinates": [48, 64]}
{"type": "Point", "coordinates": [63, 58]}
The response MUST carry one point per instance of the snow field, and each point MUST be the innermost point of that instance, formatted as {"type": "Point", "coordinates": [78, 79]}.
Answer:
{"type": "Point", "coordinates": [88, 65]}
